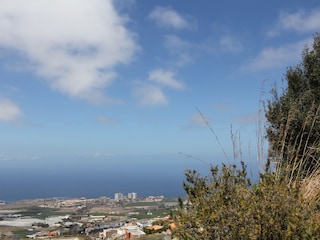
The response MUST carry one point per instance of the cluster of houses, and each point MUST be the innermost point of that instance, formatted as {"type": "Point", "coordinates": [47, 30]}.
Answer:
{"type": "Point", "coordinates": [109, 231]}
{"type": "Point", "coordinates": [115, 224]}
{"type": "Point", "coordinates": [136, 229]}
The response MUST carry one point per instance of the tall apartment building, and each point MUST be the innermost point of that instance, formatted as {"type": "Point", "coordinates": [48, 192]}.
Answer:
{"type": "Point", "coordinates": [118, 196]}
{"type": "Point", "coordinates": [132, 196]}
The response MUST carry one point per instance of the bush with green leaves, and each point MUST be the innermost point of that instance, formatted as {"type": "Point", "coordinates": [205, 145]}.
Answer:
{"type": "Point", "coordinates": [224, 205]}
{"type": "Point", "coordinates": [284, 204]}
{"type": "Point", "coordinates": [293, 116]}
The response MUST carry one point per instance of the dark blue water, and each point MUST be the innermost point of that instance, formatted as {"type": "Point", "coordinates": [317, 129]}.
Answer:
{"type": "Point", "coordinates": [80, 177]}
{"type": "Point", "coordinates": [40, 185]}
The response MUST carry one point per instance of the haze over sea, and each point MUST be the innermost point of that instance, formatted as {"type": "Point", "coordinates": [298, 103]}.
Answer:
{"type": "Point", "coordinates": [92, 178]}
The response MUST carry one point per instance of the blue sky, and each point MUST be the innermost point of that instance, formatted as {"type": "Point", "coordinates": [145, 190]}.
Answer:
{"type": "Point", "coordinates": [101, 79]}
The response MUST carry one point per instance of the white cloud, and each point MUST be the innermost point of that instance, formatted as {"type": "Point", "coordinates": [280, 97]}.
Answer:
{"type": "Point", "coordinates": [175, 43]}
{"type": "Point", "coordinates": [224, 39]}
{"type": "Point", "coordinates": [165, 78]}
{"type": "Point", "coordinates": [300, 21]}
{"type": "Point", "coordinates": [72, 44]}
{"type": "Point", "coordinates": [277, 57]}
{"type": "Point", "coordinates": [149, 95]}
{"type": "Point", "coordinates": [286, 55]}
{"type": "Point", "coordinates": [197, 121]}
{"type": "Point", "coordinates": [184, 51]}
{"type": "Point", "coordinates": [230, 44]}
{"type": "Point", "coordinates": [9, 112]}
{"type": "Point", "coordinates": [167, 17]}
{"type": "Point", "coordinates": [106, 120]}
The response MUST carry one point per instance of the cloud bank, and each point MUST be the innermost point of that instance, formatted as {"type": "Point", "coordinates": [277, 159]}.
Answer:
{"type": "Point", "coordinates": [300, 22]}
{"type": "Point", "coordinates": [74, 45]}
{"type": "Point", "coordinates": [9, 112]}
{"type": "Point", "coordinates": [273, 57]}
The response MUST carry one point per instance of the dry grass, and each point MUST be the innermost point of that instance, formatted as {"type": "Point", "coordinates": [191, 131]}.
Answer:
{"type": "Point", "coordinates": [296, 155]}
{"type": "Point", "coordinates": [310, 187]}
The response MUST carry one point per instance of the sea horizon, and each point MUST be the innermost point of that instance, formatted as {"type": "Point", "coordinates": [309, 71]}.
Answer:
{"type": "Point", "coordinates": [93, 178]}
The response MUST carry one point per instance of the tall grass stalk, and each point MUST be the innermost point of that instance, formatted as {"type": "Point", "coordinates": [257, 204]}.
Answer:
{"type": "Point", "coordinates": [300, 163]}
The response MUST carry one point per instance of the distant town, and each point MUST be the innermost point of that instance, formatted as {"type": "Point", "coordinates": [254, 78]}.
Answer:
{"type": "Point", "coordinates": [125, 216]}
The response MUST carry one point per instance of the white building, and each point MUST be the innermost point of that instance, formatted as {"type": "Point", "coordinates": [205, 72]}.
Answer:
{"type": "Point", "coordinates": [118, 196]}
{"type": "Point", "coordinates": [132, 196]}
{"type": "Point", "coordinates": [130, 231]}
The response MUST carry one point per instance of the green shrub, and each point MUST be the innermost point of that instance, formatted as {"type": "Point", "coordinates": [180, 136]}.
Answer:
{"type": "Point", "coordinates": [284, 204]}
{"type": "Point", "coordinates": [223, 205]}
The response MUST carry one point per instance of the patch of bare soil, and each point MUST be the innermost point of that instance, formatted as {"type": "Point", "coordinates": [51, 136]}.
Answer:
{"type": "Point", "coordinates": [6, 231]}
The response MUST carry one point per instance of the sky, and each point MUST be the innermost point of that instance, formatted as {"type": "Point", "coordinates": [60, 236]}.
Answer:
{"type": "Point", "coordinates": [101, 80]}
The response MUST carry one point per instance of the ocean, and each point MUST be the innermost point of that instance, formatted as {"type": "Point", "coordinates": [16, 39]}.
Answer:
{"type": "Point", "coordinates": [93, 178]}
